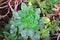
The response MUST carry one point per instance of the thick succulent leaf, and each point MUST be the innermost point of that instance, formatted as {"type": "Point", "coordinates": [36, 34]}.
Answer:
{"type": "Point", "coordinates": [36, 37]}
{"type": "Point", "coordinates": [38, 11]}
{"type": "Point", "coordinates": [23, 6]}
{"type": "Point", "coordinates": [30, 12]}
{"type": "Point", "coordinates": [24, 33]}
{"type": "Point", "coordinates": [21, 27]}
{"type": "Point", "coordinates": [17, 22]}
{"type": "Point", "coordinates": [29, 8]}
{"type": "Point", "coordinates": [16, 16]}
{"type": "Point", "coordinates": [13, 29]}
{"type": "Point", "coordinates": [30, 33]}
{"type": "Point", "coordinates": [21, 13]}
{"type": "Point", "coordinates": [41, 23]}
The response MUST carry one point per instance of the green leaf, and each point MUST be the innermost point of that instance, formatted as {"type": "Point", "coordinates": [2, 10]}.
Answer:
{"type": "Point", "coordinates": [37, 13]}
{"type": "Point", "coordinates": [22, 13]}
{"type": "Point", "coordinates": [17, 22]}
{"type": "Point", "coordinates": [24, 33]}
{"type": "Point", "coordinates": [15, 15]}
{"type": "Point", "coordinates": [29, 8]}
{"type": "Point", "coordinates": [13, 29]}
{"type": "Point", "coordinates": [45, 33]}
{"type": "Point", "coordinates": [41, 23]}
{"type": "Point", "coordinates": [21, 27]}
{"type": "Point", "coordinates": [23, 6]}
{"type": "Point", "coordinates": [30, 33]}
{"type": "Point", "coordinates": [36, 37]}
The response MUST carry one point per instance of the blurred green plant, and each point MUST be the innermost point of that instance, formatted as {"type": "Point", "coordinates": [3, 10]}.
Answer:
{"type": "Point", "coordinates": [28, 23]}
{"type": "Point", "coordinates": [45, 5]}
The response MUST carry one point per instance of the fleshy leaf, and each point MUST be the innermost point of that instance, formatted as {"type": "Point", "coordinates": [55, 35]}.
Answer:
{"type": "Point", "coordinates": [30, 33]}
{"type": "Point", "coordinates": [23, 6]}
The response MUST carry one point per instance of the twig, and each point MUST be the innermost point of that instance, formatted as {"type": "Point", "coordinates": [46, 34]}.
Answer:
{"type": "Point", "coordinates": [4, 7]}
{"type": "Point", "coordinates": [2, 16]}
{"type": "Point", "coordinates": [16, 5]}
{"type": "Point", "coordinates": [58, 34]}
{"type": "Point", "coordinates": [53, 37]}
{"type": "Point", "coordinates": [3, 3]}
{"type": "Point", "coordinates": [10, 6]}
{"type": "Point", "coordinates": [58, 37]}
